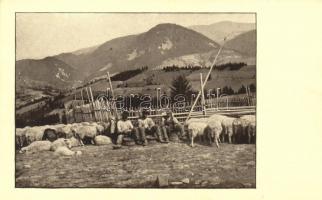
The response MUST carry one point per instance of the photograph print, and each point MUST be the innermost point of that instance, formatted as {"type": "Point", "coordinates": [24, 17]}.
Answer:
{"type": "Point", "coordinates": [135, 100]}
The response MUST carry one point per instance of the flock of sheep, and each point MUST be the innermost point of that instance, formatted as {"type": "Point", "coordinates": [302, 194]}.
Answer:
{"type": "Point", "coordinates": [61, 138]}
{"type": "Point", "coordinates": [217, 128]}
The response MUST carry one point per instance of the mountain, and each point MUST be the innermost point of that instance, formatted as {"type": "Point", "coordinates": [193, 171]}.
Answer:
{"type": "Point", "coordinates": [218, 31]}
{"type": "Point", "coordinates": [244, 43]}
{"type": "Point", "coordinates": [146, 49]}
{"type": "Point", "coordinates": [164, 44]}
{"type": "Point", "coordinates": [49, 71]}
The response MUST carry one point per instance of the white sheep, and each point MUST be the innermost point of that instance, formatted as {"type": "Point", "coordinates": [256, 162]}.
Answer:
{"type": "Point", "coordinates": [64, 151]}
{"type": "Point", "coordinates": [35, 133]}
{"type": "Point", "coordinates": [250, 118]}
{"type": "Point", "coordinates": [213, 131]}
{"type": "Point", "coordinates": [60, 142]}
{"type": "Point", "coordinates": [36, 146]}
{"type": "Point", "coordinates": [195, 129]}
{"type": "Point", "coordinates": [84, 131]}
{"type": "Point", "coordinates": [102, 140]}
{"type": "Point", "coordinates": [66, 129]}
{"type": "Point", "coordinates": [227, 125]}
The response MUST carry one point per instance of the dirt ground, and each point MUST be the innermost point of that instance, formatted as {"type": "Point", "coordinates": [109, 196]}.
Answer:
{"type": "Point", "coordinates": [230, 166]}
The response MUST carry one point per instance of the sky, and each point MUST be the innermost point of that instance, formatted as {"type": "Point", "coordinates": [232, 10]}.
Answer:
{"type": "Point", "coordinates": [39, 35]}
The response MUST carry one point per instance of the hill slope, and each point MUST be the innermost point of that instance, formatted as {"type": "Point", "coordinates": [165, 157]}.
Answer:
{"type": "Point", "coordinates": [48, 71]}
{"type": "Point", "coordinates": [218, 31]}
{"type": "Point", "coordinates": [244, 43]}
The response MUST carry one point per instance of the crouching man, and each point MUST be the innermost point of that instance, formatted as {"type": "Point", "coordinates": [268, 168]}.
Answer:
{"type": "Point", "coordinates": [124, 129]}
{"type": "Point", "coordinates": [171, 124]}
{"type": "Point", "coordinates": [148, 127]}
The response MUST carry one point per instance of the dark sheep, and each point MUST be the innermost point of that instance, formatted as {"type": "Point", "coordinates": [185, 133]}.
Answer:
{"type": "Point", "coordinates": [49, 134]}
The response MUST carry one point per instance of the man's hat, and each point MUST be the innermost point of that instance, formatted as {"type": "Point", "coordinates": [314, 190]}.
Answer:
{"type": "Point", "coordinates": [125, 113]}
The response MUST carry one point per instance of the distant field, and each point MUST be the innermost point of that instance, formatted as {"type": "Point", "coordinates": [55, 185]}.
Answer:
{"type": "Point", "coordinates": [230, 166]}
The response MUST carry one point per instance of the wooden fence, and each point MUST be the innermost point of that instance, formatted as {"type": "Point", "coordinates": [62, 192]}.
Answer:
{"type": "Point", "coordinates": [102, 110]}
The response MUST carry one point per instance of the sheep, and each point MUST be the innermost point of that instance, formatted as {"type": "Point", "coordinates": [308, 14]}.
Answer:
{"type": "Point", "coordinates": [227, 125]}
{"type": "Point", "coordinates": [84, 131]}
{"type": "Point", "coordinates": [239, 129]}
{"type": "Point", "coordinates": [250, 118]}
{"type": "Point", "coordinates": [58, 143]}
{"type": "Point", "coordinates": [213, 131]}
{"type": "Point", "coordinates": [36, 146]}
{"type": "Point", "coordinates": [64, 151]}
{"type": "Point", "coordinates": [195, 129]}
{"type": "Point", "coordinates": [21, 137]}
{"type": "Point", "coordinates": [61, 142]}
{"type": "Point", "coordinates": [65, 131]}
{"type": "Point", "coordinates": [73, 142]}
{"type": "Point", "coordinates": [49, 134]}
{"type": "Point", "coordinates": [102, 140]}
{"type": "Point", "coordinates": [35, 133]}
{"type": "Point", "coordinates": [251, 132]}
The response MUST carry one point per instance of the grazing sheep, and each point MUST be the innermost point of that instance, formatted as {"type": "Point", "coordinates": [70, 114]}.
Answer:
{"type": "Point", "coordinates": [49, 134]}
{"type": "Point", "coordinates": [84, 131]}
{"type": "Point", "coordinates": [251, 132]}
{"type": "Point", "coordinates": [102, 140]}
{"type": "Point", "coordinates": [227, 125]}
{"type": "Point", "coordinates": [213, 132]}
{"type": "Point", "coordinates": [240, 130]}
{"type": "Point", "coordinates": [196, 129]}
{"type": "Point", "coordinates": [64, 151]}
{"type": "Point", "coordinates": [250, 118]}
{"type": "Point", "coordinates": [36, 146]}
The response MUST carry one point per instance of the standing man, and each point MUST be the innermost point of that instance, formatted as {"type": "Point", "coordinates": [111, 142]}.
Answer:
{"type": "Point", "coordinates": [148, 127]}
{"type": "Point", "coordinates": [170, 124]}
{"type": "Point", "coordinates": [124, 129]}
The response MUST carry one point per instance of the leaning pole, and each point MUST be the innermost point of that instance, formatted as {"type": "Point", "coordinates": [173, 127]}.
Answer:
{"type": "Point", "coordinates": [204, 83]}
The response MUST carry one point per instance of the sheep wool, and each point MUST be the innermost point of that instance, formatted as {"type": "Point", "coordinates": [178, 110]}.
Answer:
{"type": "Point", "coordinates": [102, 140]}
{"type": "Point", "coordinates": [37, 146]}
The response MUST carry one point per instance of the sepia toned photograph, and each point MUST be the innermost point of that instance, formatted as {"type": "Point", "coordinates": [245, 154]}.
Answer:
{"type": "Point", "coordinates": [135, 100]}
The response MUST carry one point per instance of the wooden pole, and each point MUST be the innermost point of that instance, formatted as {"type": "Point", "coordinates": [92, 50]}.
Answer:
{"type": "Point", "coordinates": [202, 96]}
{"type": "Point", "coordinates": [205, 82]}
{"type": "Point", "coordinates": [92, 100]}
{"type": "Point", "coordinates": [82, 96]}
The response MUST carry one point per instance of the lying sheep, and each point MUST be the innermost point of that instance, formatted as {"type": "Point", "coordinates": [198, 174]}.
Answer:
{"type": "Point", "coordinates": [61, 142]}
{"type": "Point", "coordinates": [84, 131]}
{"type": "Point", "coordinates": [64, 151]}
{"type": "Point", "coordinates": [36, 146]}
{"type": "Point", "coordinates": [50, 134]}
{"type": "Point", "coordinates": [196, 129]}
{"type": "Point", "coordinates": [102, 140]}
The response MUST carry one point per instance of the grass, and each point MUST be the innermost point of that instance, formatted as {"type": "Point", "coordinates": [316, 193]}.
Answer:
{"type": "Point", "coordinates": [230, 166]}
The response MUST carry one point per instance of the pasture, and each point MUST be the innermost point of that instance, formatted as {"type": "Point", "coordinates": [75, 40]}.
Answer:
{"type": "Point", "coordinates": [230, 166]}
